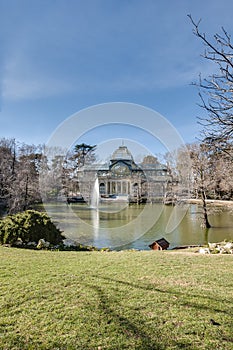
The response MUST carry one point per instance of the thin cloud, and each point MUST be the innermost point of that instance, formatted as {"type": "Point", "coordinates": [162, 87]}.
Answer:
{"type": "Point", "coordinates": [21, 89]}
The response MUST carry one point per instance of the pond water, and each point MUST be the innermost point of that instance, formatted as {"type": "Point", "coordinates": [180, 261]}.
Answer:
{"type": "Point", "coordinates": [123, 226]}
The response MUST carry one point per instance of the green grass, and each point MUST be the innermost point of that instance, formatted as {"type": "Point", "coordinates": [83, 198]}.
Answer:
{"type": "Point", "coordinates": [117, 300]}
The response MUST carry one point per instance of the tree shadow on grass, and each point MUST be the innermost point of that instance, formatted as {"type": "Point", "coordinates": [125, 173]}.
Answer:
{"type": "Point", "coordinates": [148, 335]}
{"type": "Point", "coordinates": [181, 295]}
{"type": "Point", "coordinates": [129, 327]}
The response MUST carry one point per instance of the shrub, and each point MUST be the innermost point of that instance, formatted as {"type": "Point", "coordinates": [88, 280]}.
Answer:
{"type": "Point", "coordinates": [29, 226]}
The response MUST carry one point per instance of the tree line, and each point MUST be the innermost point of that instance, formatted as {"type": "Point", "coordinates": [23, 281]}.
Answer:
{"type": "Point", "coordinates": [21, 165]}
{"type": "Point", "coordinates": [20, 169]}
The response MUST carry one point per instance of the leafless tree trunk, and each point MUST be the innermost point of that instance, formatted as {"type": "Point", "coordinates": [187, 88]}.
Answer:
{"type": "Point", "coordinates": [206, 222]}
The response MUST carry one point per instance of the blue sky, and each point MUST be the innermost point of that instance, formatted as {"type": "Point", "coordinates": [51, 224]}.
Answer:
{"type": "Point", "coordinates": [59, 57]}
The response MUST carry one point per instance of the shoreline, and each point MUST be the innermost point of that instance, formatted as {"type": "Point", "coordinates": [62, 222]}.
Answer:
{"type": "Point", "coordinates": [218, 202]}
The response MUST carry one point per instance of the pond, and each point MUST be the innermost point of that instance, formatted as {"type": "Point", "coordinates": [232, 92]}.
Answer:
{"type": "Point", "coordinates": [124, 226]}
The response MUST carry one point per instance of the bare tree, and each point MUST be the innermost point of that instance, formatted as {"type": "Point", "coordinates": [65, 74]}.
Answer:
{"type": "Point", "coordinates": [221, 170]}
{"type": "Point", "coordinates": [24, 189]}
{"type": "Point", "coordinates": [201, 175]}
{"type": "Point", "coordinates": [19, 175]}
{"type": "Point", "coordinates": [7, 169]}
{"type": "Point", "coordinates": [216, 91]}
{"type": "Point", "coordinates": [59, 175]}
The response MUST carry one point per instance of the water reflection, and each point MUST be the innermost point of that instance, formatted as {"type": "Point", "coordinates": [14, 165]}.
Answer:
{"type": "Point", "coordinates": [95, 218]}
{"type": "Point", "coordinates": [117, 225]}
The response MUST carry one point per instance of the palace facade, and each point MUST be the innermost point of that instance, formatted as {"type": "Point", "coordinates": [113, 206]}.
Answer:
{"type": "Point", "coordinates": [123, 179]}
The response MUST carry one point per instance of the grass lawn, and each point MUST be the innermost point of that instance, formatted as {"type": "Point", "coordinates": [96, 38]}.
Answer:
{"type": "Point", "coordinates": [117, 300]}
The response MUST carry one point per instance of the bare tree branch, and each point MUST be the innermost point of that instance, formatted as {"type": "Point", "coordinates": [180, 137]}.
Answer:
{"type": "Point", "coordinates": [216, 90]}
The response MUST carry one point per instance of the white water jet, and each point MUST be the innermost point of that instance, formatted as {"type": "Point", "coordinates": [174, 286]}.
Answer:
{"type": "Point", "coordinates": [95, 195]}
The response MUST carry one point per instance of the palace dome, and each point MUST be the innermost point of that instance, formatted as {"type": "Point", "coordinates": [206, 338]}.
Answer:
{"type": "Point", "coordinates": [122, 153]}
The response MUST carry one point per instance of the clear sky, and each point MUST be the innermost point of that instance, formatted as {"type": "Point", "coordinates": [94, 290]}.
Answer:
{"type": "Point", "coordinates": [58, 57]}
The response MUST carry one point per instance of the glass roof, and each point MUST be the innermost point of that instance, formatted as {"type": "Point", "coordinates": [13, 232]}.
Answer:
{"type": "Point", "coordinates": [123, 153]}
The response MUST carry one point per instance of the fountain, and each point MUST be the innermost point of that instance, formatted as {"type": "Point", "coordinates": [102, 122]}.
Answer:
{"type": "Point", "coordinates": [95, 195]}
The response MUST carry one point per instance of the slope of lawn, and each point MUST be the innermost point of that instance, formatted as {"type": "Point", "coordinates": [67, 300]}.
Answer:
{"type": "Point", "coordinates": [116, 300]}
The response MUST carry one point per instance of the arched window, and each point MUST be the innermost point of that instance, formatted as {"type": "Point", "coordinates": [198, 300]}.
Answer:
{"type": "Point", "coordinates": [102, 188]}
{"type": "Point", "coordinates": [135, 189]}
